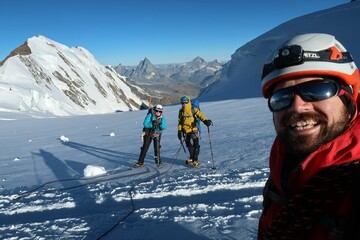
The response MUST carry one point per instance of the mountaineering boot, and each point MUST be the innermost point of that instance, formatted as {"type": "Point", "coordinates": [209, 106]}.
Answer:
{"type": "Point", "coordinates": [195, 163]}
{"type": "Point", "coordinates": [188, 161]}
{"type": "Point", "coordinates": [138, 165]}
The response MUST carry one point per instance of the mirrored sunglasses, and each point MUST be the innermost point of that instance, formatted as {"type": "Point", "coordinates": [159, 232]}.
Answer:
{"type": "Point", "coordinates": [312, 91]}
{"type": "Point", "coordinates": [185, 102]}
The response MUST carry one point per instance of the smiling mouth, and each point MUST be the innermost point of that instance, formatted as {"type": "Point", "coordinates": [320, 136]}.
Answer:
{"type": "Point", "coordinates": [303, 125]}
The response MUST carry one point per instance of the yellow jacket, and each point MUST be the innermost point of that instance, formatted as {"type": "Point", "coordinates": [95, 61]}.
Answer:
{"type": "Point", "coordinates": [186, 118]}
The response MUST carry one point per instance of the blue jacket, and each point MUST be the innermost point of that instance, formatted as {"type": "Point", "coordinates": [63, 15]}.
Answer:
{"type": "Point", "coordinates": [150, 123]}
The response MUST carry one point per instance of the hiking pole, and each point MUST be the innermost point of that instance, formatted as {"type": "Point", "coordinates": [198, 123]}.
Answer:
{"type": "Point", "coordinates": [212, 155]}
{"type": "Point", "coordinates": [182, 144]}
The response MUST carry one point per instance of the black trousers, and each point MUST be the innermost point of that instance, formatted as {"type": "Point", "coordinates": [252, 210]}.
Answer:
{"type": "Point", "coordinates": [192, 143]}
{"type": "Point", "coordinates": [145, 147]}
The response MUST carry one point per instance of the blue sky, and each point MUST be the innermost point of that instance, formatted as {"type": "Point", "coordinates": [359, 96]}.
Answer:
{"type": "Point", "coordinates": [164, 31]}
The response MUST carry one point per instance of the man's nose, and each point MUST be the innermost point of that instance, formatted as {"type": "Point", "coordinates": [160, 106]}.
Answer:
{"type": "Point", "coordinates": [299, 105]}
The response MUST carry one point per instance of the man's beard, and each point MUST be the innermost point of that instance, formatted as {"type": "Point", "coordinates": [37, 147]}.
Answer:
{"type": "Point", "coordinates": [302, 145]}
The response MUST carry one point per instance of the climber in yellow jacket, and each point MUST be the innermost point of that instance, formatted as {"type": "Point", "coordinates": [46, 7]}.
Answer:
{"type": "Point", "coordinates": [187, 128]}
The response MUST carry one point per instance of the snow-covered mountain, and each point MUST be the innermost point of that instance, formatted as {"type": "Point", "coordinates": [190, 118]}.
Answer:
{"type": "Point", "coordinates": [244, 68]}
{"type": "Point", "coordinates": [45, 77]}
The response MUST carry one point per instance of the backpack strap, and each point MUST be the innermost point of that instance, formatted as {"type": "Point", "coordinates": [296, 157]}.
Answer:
{"type": "Point", "coordinates": [181, 113]}
{"type": "Point", "coordinates": [270, 195]}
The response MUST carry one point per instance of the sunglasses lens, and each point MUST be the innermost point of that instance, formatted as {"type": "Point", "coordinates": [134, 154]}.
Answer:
{"type": "Point", "coordinates": [309, 92]}
{"type": "Point", "coordinates": [318, 91]}
{"type": "Point", "coordinates": [184, 102]}
{"type": "Point", "coordinates": [281, 99]}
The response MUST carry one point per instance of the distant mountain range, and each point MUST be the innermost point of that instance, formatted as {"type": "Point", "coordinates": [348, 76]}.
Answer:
{"type": "Point", "coordinates": [196, 71]}
{"type": "Point", "coordinates": [172, 80]}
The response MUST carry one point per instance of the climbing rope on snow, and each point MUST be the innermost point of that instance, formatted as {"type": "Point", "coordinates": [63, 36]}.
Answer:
{"type": "Point", "coordinates": [131, 191]}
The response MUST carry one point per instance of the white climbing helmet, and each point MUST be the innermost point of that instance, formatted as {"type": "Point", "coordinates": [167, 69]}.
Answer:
{"type": "Point", "coordinates": [314, 54]}
{"type": "Point", "coordinates": [158, 107]}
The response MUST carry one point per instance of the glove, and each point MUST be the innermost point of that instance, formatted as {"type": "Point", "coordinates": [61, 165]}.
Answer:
{"type": "Point", "coordinates": [208, 122]}
{"type": "Point", "coordinates": [179, 135]}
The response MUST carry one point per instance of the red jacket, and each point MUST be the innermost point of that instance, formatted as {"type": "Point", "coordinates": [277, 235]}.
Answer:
{"type": "Point", "coordinates": [344, 149]}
